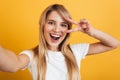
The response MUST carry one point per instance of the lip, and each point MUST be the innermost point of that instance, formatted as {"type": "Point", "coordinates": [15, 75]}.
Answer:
{"type": "Point", "coordinates": [55, 34]}
{"type": "Point", "coordinates": [54, 37]}
{"type": "Point", "coordinates": [53, 40]}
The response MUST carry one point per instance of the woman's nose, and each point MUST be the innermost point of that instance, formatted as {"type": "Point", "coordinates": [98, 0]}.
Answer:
{"type": "Point", "coordinates": [57, 28]}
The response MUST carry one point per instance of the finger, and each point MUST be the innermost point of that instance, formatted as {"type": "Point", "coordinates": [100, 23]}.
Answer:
{"type": "Point", "coordinates": [75, 29]}
{"type": "Point", "coordinates": [72, 30]}
{"type": "Point", "coordinates": [71, 21]}
{"type": "Point", "coordinates": [84, 27]}
{"type": "Point", "coordinates": [69, 31]}
{"type": "Point", "coordinates": [84, 21]}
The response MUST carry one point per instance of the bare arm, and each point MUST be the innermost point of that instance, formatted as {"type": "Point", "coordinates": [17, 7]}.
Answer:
{"type": "Point", "coordinates": [10, 62]}
{"type": "Point", "coordinates": [106, 42]}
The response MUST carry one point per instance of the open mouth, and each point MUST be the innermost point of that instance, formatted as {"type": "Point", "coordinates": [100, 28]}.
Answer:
{"type": "Point", "coordinates": [55, 36]}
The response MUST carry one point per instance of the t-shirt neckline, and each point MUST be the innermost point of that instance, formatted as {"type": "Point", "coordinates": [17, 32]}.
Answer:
{"type": "Point", "coordinates": [54, 51]}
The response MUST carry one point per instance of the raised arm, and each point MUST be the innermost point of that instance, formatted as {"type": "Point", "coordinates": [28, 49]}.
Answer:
{"type": "Point", "coordinates": [10, 62]}
{"type": "Point", "coordinates": [106, 42]}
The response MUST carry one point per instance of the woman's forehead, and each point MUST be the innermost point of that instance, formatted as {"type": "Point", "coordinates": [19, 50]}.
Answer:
{"type": "Point", "coordinates": [54, 15]}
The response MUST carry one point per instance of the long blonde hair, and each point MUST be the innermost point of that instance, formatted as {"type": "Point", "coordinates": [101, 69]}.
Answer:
{"type": "Point", "coordinates": [41, 50]}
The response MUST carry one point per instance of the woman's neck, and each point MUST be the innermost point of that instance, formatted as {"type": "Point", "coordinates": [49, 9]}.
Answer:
{"type": "Point", "coordinates": [53, 48]}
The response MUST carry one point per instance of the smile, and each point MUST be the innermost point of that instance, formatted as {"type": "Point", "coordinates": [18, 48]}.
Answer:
{"type": "Point", "coordinates": [55, 36]}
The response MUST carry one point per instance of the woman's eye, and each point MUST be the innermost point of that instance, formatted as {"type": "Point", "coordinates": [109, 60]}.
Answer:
{"type": "Point", "coordinates": [64, 25]}
{"type": "Point", "coordinates": [51, 23]}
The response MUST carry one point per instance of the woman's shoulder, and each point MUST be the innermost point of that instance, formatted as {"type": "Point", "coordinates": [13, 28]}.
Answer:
{"type": "Point", "coordinates": [80, 49]}
{"type": "Point", "coordinates": [28, 52]}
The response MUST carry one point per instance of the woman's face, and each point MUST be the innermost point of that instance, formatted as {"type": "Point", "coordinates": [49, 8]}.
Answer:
{"type": "Point", "coordinates": [55, 30]}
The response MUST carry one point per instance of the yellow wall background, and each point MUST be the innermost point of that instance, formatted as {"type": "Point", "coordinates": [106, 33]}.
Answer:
{"type": "Point", "coordinates": [19, 31]}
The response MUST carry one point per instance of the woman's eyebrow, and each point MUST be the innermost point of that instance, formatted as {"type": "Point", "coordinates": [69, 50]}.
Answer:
{"type": "Point", "coordinates": [55, 21]}
{"type": "Point", "coordinates": [50, 20]}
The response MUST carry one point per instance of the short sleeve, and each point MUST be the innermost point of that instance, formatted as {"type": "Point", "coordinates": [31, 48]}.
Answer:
{"type": "Point", "coordinates": [29, 53]}
{"type": "Point", "coordinates": [79, 50]}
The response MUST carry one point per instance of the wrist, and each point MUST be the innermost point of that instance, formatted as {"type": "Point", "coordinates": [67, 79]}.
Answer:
{"type": "Point", "coordinates": [93, 32]}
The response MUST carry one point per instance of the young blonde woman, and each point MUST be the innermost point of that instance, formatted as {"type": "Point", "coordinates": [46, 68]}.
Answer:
{"type": "Point", "coordinates": [54, 58]}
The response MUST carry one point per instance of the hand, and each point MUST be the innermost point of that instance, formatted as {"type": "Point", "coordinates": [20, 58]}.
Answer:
{"type": "Point", "coordinates": [83, 26]}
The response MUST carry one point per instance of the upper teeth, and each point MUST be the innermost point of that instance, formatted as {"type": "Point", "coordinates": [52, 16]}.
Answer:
{"type": "Point", "coordinates": [55, 35]}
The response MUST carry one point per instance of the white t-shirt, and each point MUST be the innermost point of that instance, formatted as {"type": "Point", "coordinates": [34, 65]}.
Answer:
{"type": "Point", "coordinates": [56, 67]}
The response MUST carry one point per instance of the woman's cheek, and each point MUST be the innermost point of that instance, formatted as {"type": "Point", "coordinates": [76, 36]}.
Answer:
{"type": "Point", "coordinates": [64, 31]}
{"type": "Point", "coordinates": [48, 28]}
